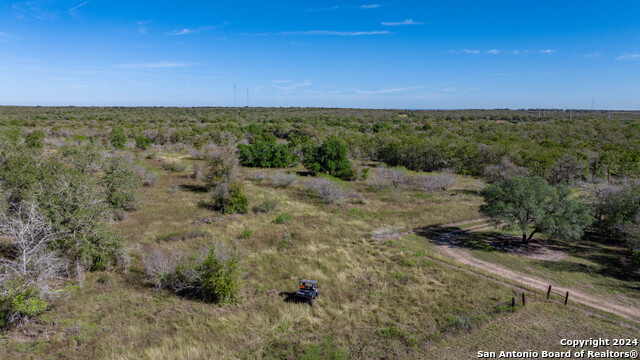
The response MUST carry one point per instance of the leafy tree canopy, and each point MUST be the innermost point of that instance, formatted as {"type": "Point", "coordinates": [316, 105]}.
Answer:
{"type": "Point", "coordinates": [531, 203]}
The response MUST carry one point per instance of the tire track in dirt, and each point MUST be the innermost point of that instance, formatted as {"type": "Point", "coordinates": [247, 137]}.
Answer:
{"type": "Point", "coordinates": [447, 247]}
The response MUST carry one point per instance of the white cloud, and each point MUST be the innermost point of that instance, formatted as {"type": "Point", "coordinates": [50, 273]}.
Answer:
{"type": "Point", "coordinates": [547, 51]}
{"type": "Point", "coordinates": [493, 51]}
{"type": "Point", "coordinates": [291, 87]}
{"type": "Point", "coordinates": [400, 23]}
{"type": "Point", "coordinates": [186, 31]}
{"type": "Point", "coordinates": [369, 6]}
{"type": "Point", "coordinates": [628, 57]}
{"type": "Point", "coordinates": [154, 65]}
{"type": "Point", "coordinates": [334, 33]}
{"type": "Point", "coordinates": [77, 6]}
{"type": "Point", "coordinates": [471, 51]}
{"type": "Point", "coordinates": [387, 90]}
{"type": "Point", "coordinates": [142, 27]}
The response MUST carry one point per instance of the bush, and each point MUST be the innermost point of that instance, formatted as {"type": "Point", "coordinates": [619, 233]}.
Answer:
{"type": "Point", "coordinates": [257, 176]}
{"type": "Point", "coordinates": [434, 183]}
{"type": "Point", "coordinates": [147, 177]}
{"type": "Point", "coordinates": [504, 170]}
{"type": "Point", "coordinates": [266, 154]}
{"type": "Point", "coordinates": [229, 199]}
{"type": "Point", "coordinates": [117, 138]}
{"type": "Point", "coordinates": [214, 275]}
{"type": "Point", "coordinates": [246, 234]}
{"type": "Point", "coordinates": [143, 142]}
{"type": "Point", "coordinates": [19, 303]}
{"type": "Point", "coordinates": [198, 172]}
{"type": "Point", "coordinates": [266, 206]}
{"type": "Point", "coordinates": [222, 166]}
{"type": "Point", "coordinates": [35, 139]}
{"type": "Point", "coordinates": [87, 158]}
{"type": "Point", "coordinates": [177, 166]}
{"type": "Point", "coordinates": [31, 278]}
{"type": "Point", "coordinates": [330, 157]}
{"type": "Point", "coordinates": [283, 219]}
{"type": "Point", "coordinates": [394, 178]}
{"type": "Point", "coordinates": [284, 180]}
{"type": "Point", "coordinates": [121, 183]}
{"type": "Point", "coordinates": [327, 190]}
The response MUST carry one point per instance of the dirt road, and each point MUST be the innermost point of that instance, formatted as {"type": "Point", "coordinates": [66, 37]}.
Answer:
{"type": "Point", "coordinates": [447, 247]}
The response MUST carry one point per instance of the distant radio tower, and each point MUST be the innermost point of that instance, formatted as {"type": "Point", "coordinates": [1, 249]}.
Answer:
{"type": "Point", "coordinates": [593, 104]}
{"type": "Point", "coordinates": [235, 96]}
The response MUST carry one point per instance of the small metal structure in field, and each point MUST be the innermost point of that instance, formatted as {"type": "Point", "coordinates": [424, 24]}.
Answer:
{"type": "Point", "coordinates": [390, 231]}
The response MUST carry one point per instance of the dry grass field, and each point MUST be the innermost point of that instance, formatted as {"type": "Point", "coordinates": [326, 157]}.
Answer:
{"type": "Point", "coordinates": [391, 299]}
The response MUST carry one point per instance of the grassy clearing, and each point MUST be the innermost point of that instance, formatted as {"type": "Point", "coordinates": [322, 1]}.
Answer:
{"type": "Point", "coordinates": [377, 299]}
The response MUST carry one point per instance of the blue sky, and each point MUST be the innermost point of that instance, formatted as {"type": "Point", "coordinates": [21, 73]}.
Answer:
{"type": "Point", "coordinates": [371, 54]}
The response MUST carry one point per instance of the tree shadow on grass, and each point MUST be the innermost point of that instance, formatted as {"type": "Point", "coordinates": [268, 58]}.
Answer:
{"type": "Point", "coordinates": [455, 236]}
{"type": "Point", "coordinates": [197, 188]}
{"type": "Point", "coordinates": [609, 260]}
{"type": "Point", "coordinates": [465, 192]}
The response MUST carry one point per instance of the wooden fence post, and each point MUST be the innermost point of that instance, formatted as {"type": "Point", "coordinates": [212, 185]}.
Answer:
{"type": "Point", "coordinates": [523, 301]}
{"type": "Point", "coordinates": [566, 299]}
{"type": "Point", "coordinates": [548, 292]}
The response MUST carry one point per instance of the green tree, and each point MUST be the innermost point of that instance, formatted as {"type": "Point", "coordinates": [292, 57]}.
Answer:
{"type": "Point", "coordinates": [117, 138]}
{"type": "Point", "coordinates": [74, 204]}
{"type": "Point", "coordinates": [330, 157]}
{"type": "Point", "coordinates": [531, 203]}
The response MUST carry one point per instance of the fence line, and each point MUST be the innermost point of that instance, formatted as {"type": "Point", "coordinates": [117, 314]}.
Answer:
{"type": "Point", "coordinates": [566, 295]}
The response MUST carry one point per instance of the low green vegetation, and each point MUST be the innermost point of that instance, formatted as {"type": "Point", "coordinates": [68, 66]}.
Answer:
{"type": "Point", "coordinates": [148, 232]}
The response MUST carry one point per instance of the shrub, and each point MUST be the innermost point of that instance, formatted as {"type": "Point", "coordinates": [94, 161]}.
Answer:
{"type": "Point", "coordinates": [85, 158]}
{"type": "Point", "coordinates": [177, 166]}
{"type": "Point", "coordinates": [117, 138]}
{"type": "Point", "coordinates": [246, 234]}
{"type": "Point", "coordinates": [257, 176]}
{"type": "Point", "coordinates": [283, 219]}
{"type": "Point", "coordinates": [330, 157]}
{"type": "Point", "coordinates": [266, 206]}
{"type": "Point", "coordinates": [143, 142]}
{"type": "Point", "coordinates": [198, 172]}
{"type": "Point", "coordinates": [222, 166]}
{"type": "Point", "coordinates": [327, 190]}
{"type": "Point", "coordinates": [121, 184]}
{"type": "Point", "coordinates": [229, 199]}
{"type": "Point", "coordinates": [213, 276]}
{"type": "Point", "coordinates": [147, 177]}
{"type": "Point", "coordinates": [284, 180]}
{"type": "Point", "coordinates": [394, 178]}
{"type": "Point", "coordinates": [30, 279]}
{"type": "Point", "coordinates": [35, 139]}
{"type": "Point", "coordinates": [434, 183]}
{"type": "Point", "coordinates": [266, 154]}
{"type": "Point", "coordinates": [19, 303]}
{"type": "Point", "coordinates": [504, 170]}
